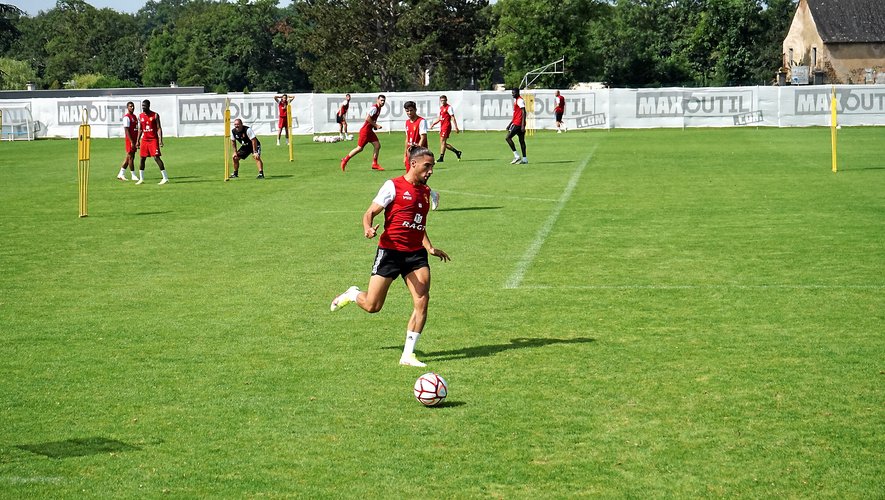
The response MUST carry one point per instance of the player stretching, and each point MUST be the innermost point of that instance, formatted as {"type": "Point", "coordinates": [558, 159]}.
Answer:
{"type": "Point", "coordinates": [250, 146]}
{"type": "Point", "coordinates": [130, 132]}
{"type": "Point", "coordinates": [517, 128]}
{"type": "Point", "coordinates": [341, 116]}
{"type": "Point", "coordinates": [367, 135]}
{"type": "Point", "coordinates": [558, 110]}
{"type": "Point", "coordinates": [150, 139]}
{"type": "Point", "coordinates": [416, 137]}
{"type": "Point", "coordinates": [282, 104]}
{"type": "Point", "coordinates": [402, 249]}
{"type": "Point", "coordinates": [445, 120]}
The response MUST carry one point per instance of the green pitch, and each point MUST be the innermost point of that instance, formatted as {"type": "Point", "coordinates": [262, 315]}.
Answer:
{"type": "Point", "coordinates": [634, 313]}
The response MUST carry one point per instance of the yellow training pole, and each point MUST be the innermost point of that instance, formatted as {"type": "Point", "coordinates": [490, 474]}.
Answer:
{"type": "Point", "coordinates": [227, 152]}
{"type": "Point", "coordinates": [530, 113]}
{"type": "Point", "coordinates": [291, 139]}
{"type": "Point", "coordinates": [83, 163]}
{"type": "Point", "coordinates": [833, 127]}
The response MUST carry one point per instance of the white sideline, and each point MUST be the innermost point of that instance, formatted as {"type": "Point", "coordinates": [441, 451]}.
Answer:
{"type": "Point", "coordinates": [532, 251]}
{"type": "Point", "coordinates": [706, 287]}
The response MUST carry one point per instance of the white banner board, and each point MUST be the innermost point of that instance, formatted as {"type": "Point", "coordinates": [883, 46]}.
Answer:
{"type": "Point", "coordinates": [194, 115]}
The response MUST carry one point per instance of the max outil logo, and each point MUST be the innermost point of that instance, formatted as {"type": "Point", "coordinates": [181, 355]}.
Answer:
{"type": "Point", "coordinates": [392, 110]}
{"type": "Point", "coordinates": [686, 103]}
{"type": "Point", "coordinates": [499, 106]}
{"type": "Point", "coordinates": [98, 112]}
{"type": "Point", "coordinates": [211, 111]}
{"type": "Point", "coordinates": [849, 101]}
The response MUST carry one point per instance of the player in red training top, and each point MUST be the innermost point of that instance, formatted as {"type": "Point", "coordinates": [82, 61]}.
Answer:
{"type": "Point", "coordinates": [341, 116]}
{"type": "Point", "coordinates": [367, 135]}
{"type": "Point", "coordinates": [558, 110]}
{"type": "Point", "coordinates": [403, 248]}
{"type": "Point", "coordinates": [282, 105]}
{"type": "Point", "coordinates": [517, 128]}
{"type": "Point", "coordinates": [416, 137]}
{"type": "Point", "coordinates": [445, 120]}
{"type": "Point", "coordinates": [150, 139]}
{"type": "Point", "coordinates": [130, 132]}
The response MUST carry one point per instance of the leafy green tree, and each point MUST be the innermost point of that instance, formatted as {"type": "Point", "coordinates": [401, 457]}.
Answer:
{"type": "Point", "coordinates": [9, 31]}
{"type": "Point", "coordinates": [15, 75]}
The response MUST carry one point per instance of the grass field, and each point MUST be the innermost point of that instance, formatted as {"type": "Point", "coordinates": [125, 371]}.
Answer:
{"type": "Point", "coordinates": [660, 313]}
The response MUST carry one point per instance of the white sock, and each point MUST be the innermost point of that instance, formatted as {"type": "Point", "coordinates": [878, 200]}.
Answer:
{"type": "Point", "coordinates": [134, 177]}
{"type": "Point", "coordinates": [354, 294]}
{"type": "Point", "coordinates": [141, 175]}
{"type": "Point", "coordinates": [164, 174]}
{"type": "Point", "coordinates": [411, 340]}
{"type": "Point", "coordinates": [525, 158]}
{"type": "Point", "coordinates": [122, 173]}
{"type": "Point", "coordinates": [516, 155]}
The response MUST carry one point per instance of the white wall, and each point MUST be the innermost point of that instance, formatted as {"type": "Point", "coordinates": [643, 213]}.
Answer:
{"type": "Point", "coordinates": [202, 115]}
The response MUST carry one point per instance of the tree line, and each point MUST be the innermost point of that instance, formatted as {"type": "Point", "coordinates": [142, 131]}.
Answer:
{"type": "Point", "coordinates": [393, 45]}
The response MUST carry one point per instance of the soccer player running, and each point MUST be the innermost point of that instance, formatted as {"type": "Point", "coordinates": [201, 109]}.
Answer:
{"type": "Point", "coordinates": [558, 110]}
{"type": "Point", "coordinates": [517, 128]}
{"type": "Point", "coordinates": [416, 137]}
{"type": "Point", "coordinates": [130, 132]}
{"type": "Point", "coordinates": [403, 248]}
{"type": "Point", "coordinates": [341, 116]}
{"type": "Point", "coordinates": [445, 120]}
{"type": "Point", "coordinates": [150, 139]}
{"type": "Point", "coordinates": [250, 146]}
{"type": "Point", "coordinates": [282, 104]}
{"type": "Point", "coordinates": [367, 135]}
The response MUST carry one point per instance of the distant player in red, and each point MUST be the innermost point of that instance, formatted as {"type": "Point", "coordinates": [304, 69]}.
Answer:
{"type": "Point", "coordinates": [416, 131]}
{"type": "Point", "coordinates": [283, 123]}
{"type": "Point", "coordinates": [341, 116]}
{"type": "Point", "coordinates": [150, 139]}
{"type": "Point", "coordinates": [402, 248]}
{"type": "Point", "coordinates": [416, 137]}
{"type": "Point", "coordinates": [130, 132]}
{"type": "Point", "coordinates": [367, 135]}
{"type": "Point", "coordinates": [558, 110]}
{"type": "Point", "coordinates": [517, 128]}
{"type": "Point", "coordinates": [446, 120]}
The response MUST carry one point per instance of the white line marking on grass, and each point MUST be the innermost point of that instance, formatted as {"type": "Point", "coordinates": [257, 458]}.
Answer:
{"type": "Point", "coordinates": [704, 287]}
{"type": "Point", "coordinates": [532, 251]}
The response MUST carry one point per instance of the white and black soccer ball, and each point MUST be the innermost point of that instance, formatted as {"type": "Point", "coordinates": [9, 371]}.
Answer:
{"type": "Point", "coordinates": [431, 389]}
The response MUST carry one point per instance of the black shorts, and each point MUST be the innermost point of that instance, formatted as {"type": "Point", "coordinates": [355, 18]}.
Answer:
{"type": "Point", "coordinates": [339, 118]}
{"type": "Point", "coordinates": [393, 263]}
{"type": "Point", "coordinates": [246, 150]}
{"type": "Point", "coordinates": [515, 130]}
{"type": "Point", "coordinates": [558, 116]}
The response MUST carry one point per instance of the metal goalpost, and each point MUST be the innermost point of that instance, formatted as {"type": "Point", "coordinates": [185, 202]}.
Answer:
{"type": "Point", "coordinates": [555, 68]}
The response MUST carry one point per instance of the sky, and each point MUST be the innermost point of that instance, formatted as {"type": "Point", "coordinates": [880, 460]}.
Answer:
{"type": "Point", "coordinates": [32, 7]}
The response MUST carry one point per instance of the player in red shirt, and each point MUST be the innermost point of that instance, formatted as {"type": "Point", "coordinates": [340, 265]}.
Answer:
{"type": "Point", "coordinates": [558, 110]}
{"type": "Point", "coordinates": [403, 248]}
{"type": "Point", "coordinates": [445, 120]}
{"type": "Point", "coordinates": [367, 135]}
{"type": "Point", "coordinates": [130, 132]}
{"type": "Point", "coordinates": [517, 128]}
{"type": "Point", "coordinates": [341, 116]}
{"type": "Point", "coordinates": [283, 123]}
{"type": "Point", "coordinates": [150, 139]}
{"type": "Point", "coordinates": [416, 137]}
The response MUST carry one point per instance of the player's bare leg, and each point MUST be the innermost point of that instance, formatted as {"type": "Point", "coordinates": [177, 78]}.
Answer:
{"type": "Point", "coordinates": [353, 152]}
{"type": "Point", "coordinates": [418, 282]}
{"type": "Point", "coordinates": [375, 165]}
{"type": "Point", "coordinates": [370, 301]}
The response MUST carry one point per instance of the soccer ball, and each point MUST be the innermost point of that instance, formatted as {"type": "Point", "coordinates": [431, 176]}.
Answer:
{"type": "Point", "coordinates": [431, 389]}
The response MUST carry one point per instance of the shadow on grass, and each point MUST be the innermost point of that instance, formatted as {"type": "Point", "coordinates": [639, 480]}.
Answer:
{"type": "Point", "coordinates": [78, 447]}
{"type": "Point", "coordinates": [449, 404]}
{"type": "Point", "coordinates": [153, 213]}
{"type": "Point", "coordinates": [490, 350]}
{"type": "Point", "coordinates": [466, 209]}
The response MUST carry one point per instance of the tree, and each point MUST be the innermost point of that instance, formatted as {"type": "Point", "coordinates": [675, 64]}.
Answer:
{"type": "Point", "coordinates": [15, 75]}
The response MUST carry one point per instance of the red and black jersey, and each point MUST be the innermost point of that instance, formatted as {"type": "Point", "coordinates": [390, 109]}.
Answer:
{"type": "Point", "coordinates": [405, 217]}
{"type": "Point", "coordinates": [147, 122]}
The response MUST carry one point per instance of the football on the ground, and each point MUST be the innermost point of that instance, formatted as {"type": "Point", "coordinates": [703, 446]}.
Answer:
{"type": "Point", "coordinates": [431, 389]}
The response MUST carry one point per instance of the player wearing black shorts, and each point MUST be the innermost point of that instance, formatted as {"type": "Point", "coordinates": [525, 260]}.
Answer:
{"type": "Point", "coordinates": [249, 145]}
